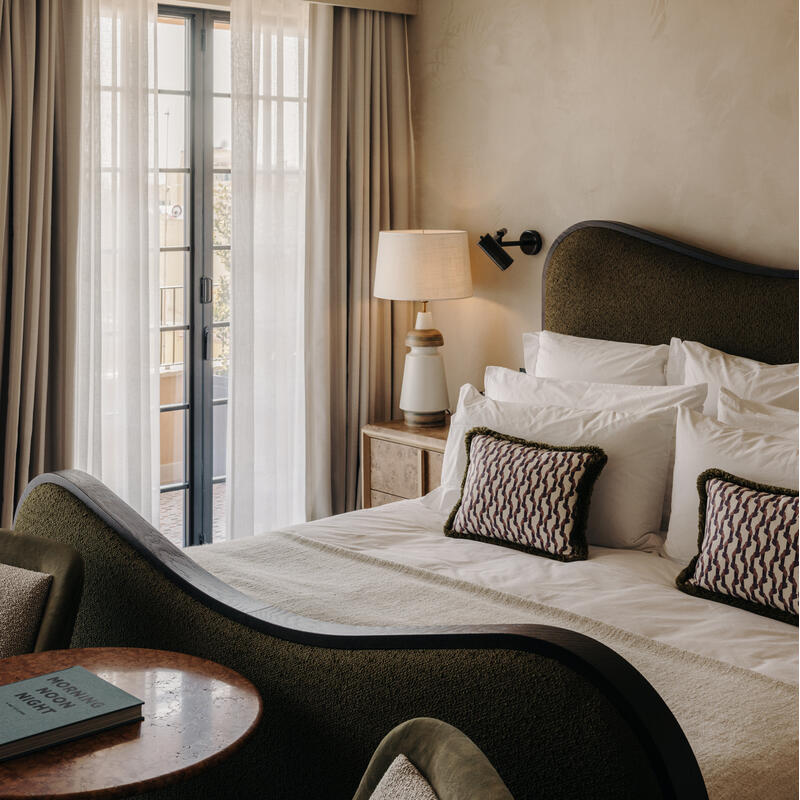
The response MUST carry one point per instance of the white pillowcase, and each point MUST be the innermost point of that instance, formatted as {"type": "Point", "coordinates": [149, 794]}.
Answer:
{"type": "Point", "coordinates": [627, 501]}
{"type": "Point", "coordinates": [676, 362]}
{"type": "Point", "coordinates": [758, 417]}
{"type": "Point", "coordinates": [573, 358]}
{"type": "Point", "coordinates": [517, 387]}
{"type": "Point", "coordinates": [509, 386]}
{"type": "Point", "coordinates": [530, 351]}
{"type": "Point", "coordinates": [692, 362]}
{"type": "Point", "coordinates": [702, 443]}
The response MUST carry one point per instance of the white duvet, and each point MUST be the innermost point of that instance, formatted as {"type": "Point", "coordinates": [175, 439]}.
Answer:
{"type": "Point", "coordinates": [629, 589]}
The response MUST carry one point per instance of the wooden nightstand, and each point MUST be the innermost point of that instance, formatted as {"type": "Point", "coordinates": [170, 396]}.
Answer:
{"type": "Point", "coordinates": [399, 462]}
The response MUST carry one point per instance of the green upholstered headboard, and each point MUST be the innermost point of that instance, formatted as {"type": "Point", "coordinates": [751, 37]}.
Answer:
{"type": "Point", "coordinates": [608, 280]}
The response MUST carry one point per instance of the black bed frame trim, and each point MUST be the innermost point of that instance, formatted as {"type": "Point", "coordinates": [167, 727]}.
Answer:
{"type": "Point", "coordinates": [626, 688]}
{"type": "Point", "coordinates": [676, 246]}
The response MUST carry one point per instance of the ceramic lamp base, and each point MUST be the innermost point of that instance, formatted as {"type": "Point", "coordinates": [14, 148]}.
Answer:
{"type": "Point", "coordinates": [423, 397]}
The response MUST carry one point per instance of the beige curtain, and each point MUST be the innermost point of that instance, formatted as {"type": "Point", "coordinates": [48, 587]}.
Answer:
{"type": "Point", "coordinates": [40, 49]}
{"type": "Point", "coordinates": [360, 181]}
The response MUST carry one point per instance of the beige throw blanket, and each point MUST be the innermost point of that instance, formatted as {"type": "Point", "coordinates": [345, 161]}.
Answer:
{"type": "Point", "coordinates": [741, 725]}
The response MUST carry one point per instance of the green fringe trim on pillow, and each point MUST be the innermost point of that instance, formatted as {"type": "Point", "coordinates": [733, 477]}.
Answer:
{"type": "Point", "coordinates": [584, 489]}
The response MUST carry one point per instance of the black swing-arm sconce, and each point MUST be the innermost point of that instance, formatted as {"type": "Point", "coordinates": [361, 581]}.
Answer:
{"type": "Point", "coordinates": [530, 242]}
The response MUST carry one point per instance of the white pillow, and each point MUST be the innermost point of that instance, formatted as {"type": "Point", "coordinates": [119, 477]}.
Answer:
{"type": "Point", "coordinates": [775, 384]}
{"type": "Point", "coordinates": [759, 417]}
{"type": "Point", "coordinates": [676, 362]}
{"type": "Point", "coordinates": [517, 387]}
{"type": "Point", "coordinates": [702, 443]}
{"type": "Point", "coordinates": [530, 350]}
{"type": "Point", "coordinates": [509, 386]}
{"type": "Point", "coordinates": [573, 358]}
{"type": "Point", "coordinates": [627, 501]}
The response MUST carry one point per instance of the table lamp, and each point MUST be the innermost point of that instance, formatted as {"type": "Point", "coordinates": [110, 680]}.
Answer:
{"type": "Point", "coordinates": [423, 266]}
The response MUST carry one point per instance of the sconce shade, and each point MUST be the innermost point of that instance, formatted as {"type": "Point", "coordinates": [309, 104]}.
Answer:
{"type": "Point", "coordinates": [422, 265]}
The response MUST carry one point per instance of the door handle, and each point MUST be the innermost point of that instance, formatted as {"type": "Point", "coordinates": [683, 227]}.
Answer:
{"type": "Point", "coordinates": [206, 289]}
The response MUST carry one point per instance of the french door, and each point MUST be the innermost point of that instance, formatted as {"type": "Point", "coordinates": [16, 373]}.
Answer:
{"type": "Point", "coordinates": [194, 154]}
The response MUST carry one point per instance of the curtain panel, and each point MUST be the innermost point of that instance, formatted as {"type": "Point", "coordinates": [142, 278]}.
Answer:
{"type": "Point", "coordinates": [266, 406]}
{"type": "Point", "coordinates": [360, 181]}
{"type": "Point", "coordinates": [40, 50]}
{"type": "Point", "coordinates": [117, 393]}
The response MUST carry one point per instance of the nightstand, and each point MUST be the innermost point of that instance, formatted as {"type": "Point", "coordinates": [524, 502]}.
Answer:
{"type": "Point", "coordinates": [399, 462]}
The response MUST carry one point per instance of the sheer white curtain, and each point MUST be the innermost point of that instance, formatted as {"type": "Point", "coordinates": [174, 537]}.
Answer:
{"type": "Point", "coordinates": [266, 420]}
{"type": "Point", "coordinates": [116, 400]}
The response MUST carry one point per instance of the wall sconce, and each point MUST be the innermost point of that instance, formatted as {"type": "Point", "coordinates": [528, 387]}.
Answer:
{"type": "Point", "coordinates": [530, 242]}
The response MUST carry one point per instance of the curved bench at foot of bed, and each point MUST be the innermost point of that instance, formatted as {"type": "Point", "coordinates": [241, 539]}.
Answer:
{"type": "Point", "coordinates": [558, 714]}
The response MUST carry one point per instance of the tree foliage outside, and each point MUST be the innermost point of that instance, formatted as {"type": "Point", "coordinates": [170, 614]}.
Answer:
{"type": "Point", "coordinates": [222, 275]}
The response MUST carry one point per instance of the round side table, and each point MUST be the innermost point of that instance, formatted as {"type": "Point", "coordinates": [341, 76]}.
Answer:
{"type": "Point", "coordinates": [196, 713]}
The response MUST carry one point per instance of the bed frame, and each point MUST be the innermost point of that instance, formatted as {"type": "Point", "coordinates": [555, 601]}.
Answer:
{"type": "Point", "coordinates": [558, 714]}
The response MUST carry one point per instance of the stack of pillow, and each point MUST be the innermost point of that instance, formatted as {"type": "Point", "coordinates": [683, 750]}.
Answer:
{"type": "Point", "coordinates": [672, 429]}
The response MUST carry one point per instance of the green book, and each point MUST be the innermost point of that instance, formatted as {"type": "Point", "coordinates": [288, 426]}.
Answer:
{"type": "Point", "coordinates": [60, 706]}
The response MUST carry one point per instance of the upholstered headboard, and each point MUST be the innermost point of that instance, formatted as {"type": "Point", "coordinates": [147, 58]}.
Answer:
{"type": "Point", "coordinates": [608, 280]}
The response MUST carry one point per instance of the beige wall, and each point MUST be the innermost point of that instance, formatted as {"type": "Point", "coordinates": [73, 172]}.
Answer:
{"type": "Point", "coordinates": [676, 116]}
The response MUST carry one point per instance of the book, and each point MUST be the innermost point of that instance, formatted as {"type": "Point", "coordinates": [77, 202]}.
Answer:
{"type": "Point", "coordinates": [58, 707]}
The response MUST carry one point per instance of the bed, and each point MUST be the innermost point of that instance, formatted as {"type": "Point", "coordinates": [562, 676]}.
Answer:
{"type": "Point", "coordinates": [589, 679]}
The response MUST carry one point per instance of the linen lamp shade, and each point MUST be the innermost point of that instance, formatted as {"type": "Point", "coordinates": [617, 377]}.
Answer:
{"type": "Point", "coordinates": [423, 265]}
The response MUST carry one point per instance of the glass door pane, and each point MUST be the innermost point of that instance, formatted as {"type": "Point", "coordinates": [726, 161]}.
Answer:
{"type": "Point", "coordinates": [194, 159]}
{"type": "Point", "coordinates": [174, 189]}
{"type": "Point", "coordinates": [173, 515]}
{"type": "Point", "coordinates": [221, 247]}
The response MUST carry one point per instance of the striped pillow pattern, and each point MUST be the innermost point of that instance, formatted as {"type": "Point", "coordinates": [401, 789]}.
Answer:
{"type": "Point", "coordinates": [526, 495]}
{"type": "Point", "coordinates": [748, 547]}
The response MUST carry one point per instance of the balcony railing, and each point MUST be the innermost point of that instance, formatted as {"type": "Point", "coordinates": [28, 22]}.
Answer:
{"type": "Point", "coordinates": [173, 326]}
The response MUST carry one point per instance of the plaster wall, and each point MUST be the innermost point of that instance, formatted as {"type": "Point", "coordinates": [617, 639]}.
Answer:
{"type": "Point", "coordinates": [675, 115]}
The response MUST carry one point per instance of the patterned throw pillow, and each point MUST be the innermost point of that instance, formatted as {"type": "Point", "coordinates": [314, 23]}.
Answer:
{"type": "Point", "coordinates": [526, 495]}
{"type": "Point", "coordinates": [747, 546]}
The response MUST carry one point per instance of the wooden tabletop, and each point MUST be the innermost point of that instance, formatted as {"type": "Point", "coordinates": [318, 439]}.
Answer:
{"type": "Point", "coordinates": [195, 713]}
{"type": "Point", "coordinates": [398, 430]}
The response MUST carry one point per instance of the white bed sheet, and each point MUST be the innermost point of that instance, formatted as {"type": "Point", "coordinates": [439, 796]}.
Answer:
{"type": "Point", "coordinates": [629, 589]}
